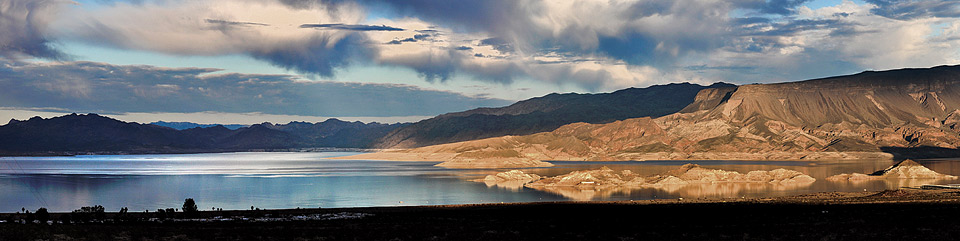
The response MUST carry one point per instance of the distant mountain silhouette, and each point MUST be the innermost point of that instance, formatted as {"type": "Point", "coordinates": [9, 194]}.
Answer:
{"type": "Point", "coordinates": [189, 125]}
{"type": "Point", "coordinates": [546, 113]}
{"type": "Point", "coordinates": [337, 133]}
{"type": "Point", "coordinates": [71, 134]}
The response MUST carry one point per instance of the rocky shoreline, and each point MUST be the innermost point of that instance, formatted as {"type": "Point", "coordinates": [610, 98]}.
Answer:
{"type": "Point", "coordinates": [907, 169]}
{"type": "Point", "coordinates": [454, 160]}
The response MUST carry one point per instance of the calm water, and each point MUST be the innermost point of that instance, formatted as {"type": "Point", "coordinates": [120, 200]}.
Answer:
{"type": "Point", "coordinates": [289, 180]}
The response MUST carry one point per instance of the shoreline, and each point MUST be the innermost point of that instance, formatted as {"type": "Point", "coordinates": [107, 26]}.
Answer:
{"type": "Point", "coordinates": [901, 195]}
{"type": "Point", "coordinates": [397, 155]}
{"type": "Point", "coordinates": [903, 214]}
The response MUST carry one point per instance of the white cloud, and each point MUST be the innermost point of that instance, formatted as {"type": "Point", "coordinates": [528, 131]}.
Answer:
{"type": "Point", "coordinates": [594, 45]}
{"type": "Point", "coordinates": [106, 88]}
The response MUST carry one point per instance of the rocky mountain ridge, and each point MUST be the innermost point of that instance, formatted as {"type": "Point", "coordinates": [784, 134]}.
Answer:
{"type": "Point", "coordinates": [846, 117]}
{"type": "Point", "coordinates": [545, 113]}
{"type": "Point", "coordinates": [190, 125]}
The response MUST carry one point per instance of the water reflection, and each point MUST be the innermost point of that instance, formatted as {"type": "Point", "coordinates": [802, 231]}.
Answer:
{"type": "Point", "coordinates": [289, 180]}
{"type": "Point", "coordinates": [509, 185]}
{"type": "Point", "coordinates": [689, 191]}
{"type": "Point", "coordinates": [819, 170]}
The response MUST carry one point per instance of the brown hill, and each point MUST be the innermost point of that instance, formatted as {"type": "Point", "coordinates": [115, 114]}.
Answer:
{"type": "Point", "coordinates": [545, 113]}
{"type": "Point", "coordinates": [846, 117]}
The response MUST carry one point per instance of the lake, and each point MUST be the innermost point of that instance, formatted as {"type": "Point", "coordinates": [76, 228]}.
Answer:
{"type": "Point", "coordinates": [276, 180]}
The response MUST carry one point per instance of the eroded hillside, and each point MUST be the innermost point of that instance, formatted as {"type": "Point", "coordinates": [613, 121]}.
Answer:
{"type": "Point", "coordinates": [856, 116]}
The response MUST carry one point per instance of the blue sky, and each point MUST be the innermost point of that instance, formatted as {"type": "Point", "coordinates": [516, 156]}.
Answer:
{"type": "Point", "coordinates": [465, 54]}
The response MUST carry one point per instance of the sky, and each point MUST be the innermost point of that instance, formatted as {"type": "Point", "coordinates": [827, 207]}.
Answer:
{"type": "Point", "coordinates": [250, 61]}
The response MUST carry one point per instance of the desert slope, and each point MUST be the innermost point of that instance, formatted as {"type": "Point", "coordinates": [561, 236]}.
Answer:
{"type": "Point", "coordinates": [846, 117]}
{"type": "Point", "coordinates": [545, 113]}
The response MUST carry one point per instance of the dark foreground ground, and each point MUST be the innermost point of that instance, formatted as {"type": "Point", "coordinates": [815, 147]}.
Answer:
{"type": "Point", "coordinates": [888, 215]}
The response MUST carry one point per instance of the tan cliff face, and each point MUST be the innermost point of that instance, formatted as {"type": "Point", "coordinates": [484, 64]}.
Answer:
{"type": "Point", "coordinates": [805, 104]}
{"type": "Point", "coordinates": [848, 117]}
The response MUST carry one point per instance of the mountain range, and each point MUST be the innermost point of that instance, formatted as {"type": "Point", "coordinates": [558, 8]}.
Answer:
{"type": "Point", "coordinates": [73, 134]}
{"type": "Point", "coordinates": [94, 133]}
{"type": "Point", "coordinates": [191, 125]}
{"type": "Point", "coordinates": [874, 114]}
{"type": "Point", "coordinates": [546, 113]}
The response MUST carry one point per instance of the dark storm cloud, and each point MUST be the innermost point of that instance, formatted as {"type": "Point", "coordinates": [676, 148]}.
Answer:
{"type": "Point", "coordinates": [22, 24]}
{"type": "Point", "coordinates": [99, 87]}
{"type": "Point", "coordinates": [430, 67]}
{"type": "Point", "coordinates": [422, 36]}
{"type": "Point", "coordinates": [912, 9]}
{"type": "Point", "coordinates": [351, 27]}
{"type": "Point", "coordinates": [318, 54]}
{"type": "Point", "coordinates": [497, 43]}
{"type": "Point", "coordinates": [440, 66]}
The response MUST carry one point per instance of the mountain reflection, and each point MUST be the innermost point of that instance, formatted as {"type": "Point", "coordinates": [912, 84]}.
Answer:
{"type": "Point", "coordinates": [713, 190]}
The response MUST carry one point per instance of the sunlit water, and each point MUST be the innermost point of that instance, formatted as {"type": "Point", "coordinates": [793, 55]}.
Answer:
{"type": "Point", "coordinates": [289, 180]}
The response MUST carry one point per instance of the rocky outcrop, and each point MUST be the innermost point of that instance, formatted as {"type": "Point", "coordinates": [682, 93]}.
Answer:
{"type": "Point", "coordinates": [952, 121]}
{"type": "Point", "coordinates": [694, 174]}
{"type": "Point", "coordinates": [907, 169]}
{"type": "Point", "coordinates": [603, 177]}
{"type": "Point", "coordinates": [686, 174]}
{"type": "Point", "coordinates": [511, 176]}
{"type": "Point", "coordinates": [513, 179]}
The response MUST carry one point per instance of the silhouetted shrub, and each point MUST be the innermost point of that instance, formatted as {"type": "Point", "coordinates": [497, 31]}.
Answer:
{"type": "Point", "coordinates": [122, 215]}
{"type": "Point", "coordinates": [85, 214]}
{"type": "Point", "coordinates": [189, 207]}
{"type": "Point", "coordinates": [42, 215]}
